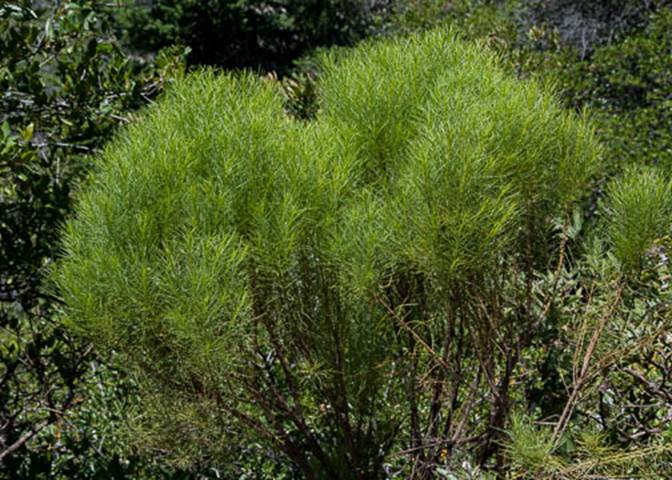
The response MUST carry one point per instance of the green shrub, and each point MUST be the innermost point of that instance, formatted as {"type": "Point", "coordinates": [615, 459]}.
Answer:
{"type": "Point", "coordinates": [262, 275]}
{"type": "Point", "coordinates": [343, 287]}
{"type": "Point", "coordinates": [640, 206]}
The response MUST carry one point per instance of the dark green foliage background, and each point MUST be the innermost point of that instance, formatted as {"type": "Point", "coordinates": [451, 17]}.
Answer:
{"type": "Point", "coordinates": [66, 85]}
{"type": "Point", "coordinates": [258, 34]}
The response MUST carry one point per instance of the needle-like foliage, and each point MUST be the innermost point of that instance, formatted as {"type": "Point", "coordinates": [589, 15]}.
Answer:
{"type": "Point", "coordinates": [640, 212]}
{"type": "Point", "coordinates": [292, 278]}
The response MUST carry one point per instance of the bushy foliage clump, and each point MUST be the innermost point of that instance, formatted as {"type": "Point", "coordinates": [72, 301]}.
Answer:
{"type": "Point", "coordinates": [353, 290]}
{"type": "Point", "coordinates": [622, 75]}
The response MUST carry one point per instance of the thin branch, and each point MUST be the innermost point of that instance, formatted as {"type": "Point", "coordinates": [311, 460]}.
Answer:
{"type": "Point", "coordinates": [583, 375]}
{"type": "Point", "coordinates": [34, 430]}
{"type": "Point", "coordinates": [415, 335]}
